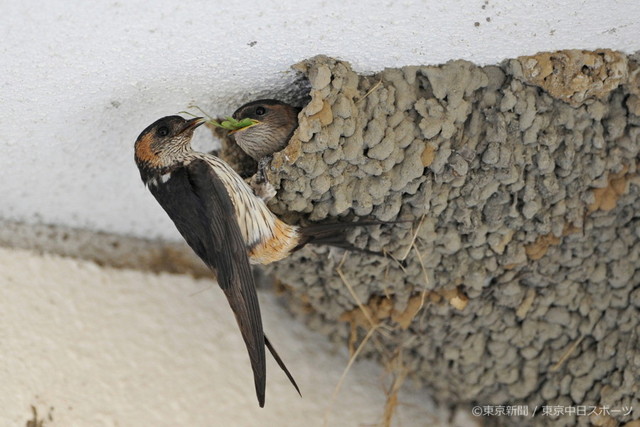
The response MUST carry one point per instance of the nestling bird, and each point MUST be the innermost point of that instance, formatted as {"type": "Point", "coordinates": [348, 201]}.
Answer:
{"type": "Point", "coordinates": [225, 224]}
{"type": "Point", "coordinates": [276, 122]}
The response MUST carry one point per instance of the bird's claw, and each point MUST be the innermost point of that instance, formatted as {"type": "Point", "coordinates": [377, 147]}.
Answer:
{"type": "Point", "coordinates": [262, 188]}
{"type": "Point", "coordinates": [258, 182]}
{"type": "Point", "coordinates": [263, 165]}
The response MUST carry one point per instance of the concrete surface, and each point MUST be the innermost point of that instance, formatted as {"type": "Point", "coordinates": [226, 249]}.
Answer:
{"type": "Point", "coordinates": [92, 346]}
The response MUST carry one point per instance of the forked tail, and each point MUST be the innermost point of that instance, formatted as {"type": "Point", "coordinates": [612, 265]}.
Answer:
{"type": "Point", "coordinates": [336, 234]}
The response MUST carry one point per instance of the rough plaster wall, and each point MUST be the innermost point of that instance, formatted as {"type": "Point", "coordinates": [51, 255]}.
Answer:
{"type": "Point", "coordinates": [524, 178]}
{"type": "Point", "coordinates": [89, 346]}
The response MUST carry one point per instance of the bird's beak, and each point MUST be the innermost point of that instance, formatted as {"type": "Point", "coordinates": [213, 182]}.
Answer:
{"type": "Point", "coordinates": [193, 123]}
{"type": "Point", "coordinates": [257, 122]}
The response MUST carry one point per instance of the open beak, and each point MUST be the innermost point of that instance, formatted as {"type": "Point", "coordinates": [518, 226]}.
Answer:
{"type": "Point", "coordinates": [193, 123]}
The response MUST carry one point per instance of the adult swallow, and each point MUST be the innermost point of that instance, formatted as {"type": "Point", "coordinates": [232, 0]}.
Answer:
{"type": "Point", "coordinates": [225, 224]}
{"type": "Point", "coordinates": [274, 126]}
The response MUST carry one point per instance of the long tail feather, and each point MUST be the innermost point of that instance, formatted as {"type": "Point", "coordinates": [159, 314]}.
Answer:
{"type": "Point", "coordinates": [275, 355]}
{"type": "Point", "coordinates": [335, 234]}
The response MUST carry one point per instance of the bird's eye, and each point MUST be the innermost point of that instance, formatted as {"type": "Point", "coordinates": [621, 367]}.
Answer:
{"type": "Point", "coordinates": [163, 131]}
{"type": "Point", "coordinates": [260, 111]}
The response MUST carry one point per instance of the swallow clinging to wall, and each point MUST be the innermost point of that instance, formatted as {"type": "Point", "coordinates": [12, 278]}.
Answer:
{"type": "Point", "coordinates": [225, 224]}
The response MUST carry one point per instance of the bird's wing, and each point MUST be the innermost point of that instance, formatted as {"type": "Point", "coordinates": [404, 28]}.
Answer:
{"type": "Point", "coordinates": [197, 201]}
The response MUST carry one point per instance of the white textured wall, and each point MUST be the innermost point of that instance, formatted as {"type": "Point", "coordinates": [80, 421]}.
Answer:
{"type": "Point", "coordinates": [78, 82]}
{"type": "Point", "coordinates": [96, 347]}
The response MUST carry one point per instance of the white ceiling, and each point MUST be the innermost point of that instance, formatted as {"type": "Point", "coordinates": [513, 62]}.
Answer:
{"type": "Point", "coordinates": [78, 83]}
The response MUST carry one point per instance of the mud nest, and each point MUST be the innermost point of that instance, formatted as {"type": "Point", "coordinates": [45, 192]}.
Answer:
{"type": "Point", "coordinates": [520, 284]}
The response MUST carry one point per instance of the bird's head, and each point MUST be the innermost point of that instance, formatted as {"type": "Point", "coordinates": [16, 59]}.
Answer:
{"type": "Point", "coordinates": [163, 143]}
{"type": "Point", "coordinates": [275, 123]}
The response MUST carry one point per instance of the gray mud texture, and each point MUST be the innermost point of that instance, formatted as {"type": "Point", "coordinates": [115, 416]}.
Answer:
{"type": "Point", "coordinates": [520, 284]}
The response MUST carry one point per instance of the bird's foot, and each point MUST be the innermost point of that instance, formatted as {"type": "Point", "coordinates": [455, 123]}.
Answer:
{"type": "Point", "coordinates": [263, 165]}
{"type": "Point", "coordinates": [258, 182]}
{"type": "Point", "coordinates": [262, 188]}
